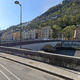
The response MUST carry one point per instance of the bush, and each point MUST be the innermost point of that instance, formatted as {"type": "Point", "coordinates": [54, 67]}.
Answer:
{"type": "Point", "coordinates": [58, 45]}
{"type": "Point", "coordinates": [48, 48]}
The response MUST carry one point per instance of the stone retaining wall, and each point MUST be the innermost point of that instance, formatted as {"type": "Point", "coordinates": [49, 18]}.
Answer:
{"type": "Point", "coordinates": [60, 60]}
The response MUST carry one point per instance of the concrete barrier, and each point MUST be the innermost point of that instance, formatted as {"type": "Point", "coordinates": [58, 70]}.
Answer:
{"type": "Point", "coordinates": [60, 60]}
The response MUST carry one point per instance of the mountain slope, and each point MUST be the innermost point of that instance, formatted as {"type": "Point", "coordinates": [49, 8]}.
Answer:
{"type": "Point", "coordinates": [68, 7]}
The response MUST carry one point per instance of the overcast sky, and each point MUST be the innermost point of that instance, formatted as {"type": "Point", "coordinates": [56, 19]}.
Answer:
{"type": "Point", "coordinates": [10, 12]}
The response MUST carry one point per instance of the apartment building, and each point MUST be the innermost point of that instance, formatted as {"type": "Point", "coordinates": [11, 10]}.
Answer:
{"type": "Point", "coordinates": [32, 34]}
{"type": "Point", "coordinates": [10, 34]}
{"type": "Point", "coordinates": [77, 32]}
{"type": "Point", "coordinates": [26, 34]}
{"type": "Point", "coordinates": [39, 34]}
{"type": "Point", "coordinates": [16, 35]}
{"type": "Point", "coordinates": [3, 36]}
{"type": "Point", "coordinates": [7, 35]}
{"type": "Point", "coordinates": [74, 34]}
{"type": "Point", "coordinates": [29, 34]}
{"type": "Point", "coordinates": [46, 32]}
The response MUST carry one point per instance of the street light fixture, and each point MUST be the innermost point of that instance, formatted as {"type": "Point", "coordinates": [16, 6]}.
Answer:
{"type": "Point", "coordinates": [17, 2]}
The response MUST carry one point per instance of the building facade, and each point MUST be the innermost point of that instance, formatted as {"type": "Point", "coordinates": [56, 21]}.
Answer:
{"type": "Point", "coordinates": [29, 34]}
{"type": "Point", "coordinates": [46, 32]}
{"type": "Point", "coordinates": [7, 35]}
{"type": "Point", "coordinates": [32, 34]}
{"type": "Point", "coordinates": [39, 34]}
{"type": "Point", "coordinates": [77, 32]}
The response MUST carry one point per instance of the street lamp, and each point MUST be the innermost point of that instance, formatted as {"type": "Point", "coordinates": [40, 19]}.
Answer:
{"type": "Point", "coordinates": [17, 2]}
{"type": "Point", "coordinates": [0, 37]}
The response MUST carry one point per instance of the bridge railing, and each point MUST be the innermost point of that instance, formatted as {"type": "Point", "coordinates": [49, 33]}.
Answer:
{"type": "Point", "coordinates": [71, 44]}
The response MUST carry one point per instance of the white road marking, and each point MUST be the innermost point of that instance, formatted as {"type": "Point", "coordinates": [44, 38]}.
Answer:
{"type": "Point", "coordinates": [5, 75]}
{"type": "Point", "coordinates": [10, 72]}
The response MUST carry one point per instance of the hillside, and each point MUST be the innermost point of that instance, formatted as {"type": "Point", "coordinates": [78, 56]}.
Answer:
{"type": "Point", "coordinates": [71, 7]}
{"type": "Point", "coordinates": [67, 7]}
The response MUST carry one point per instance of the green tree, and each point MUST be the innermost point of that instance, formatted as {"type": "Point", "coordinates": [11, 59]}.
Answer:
{"type": "Point", "coordinates": [71, 20]}
{"type": "Point", "coordinates": [65, 21]}
{"type": "Point", "coordinates": [60, 21]}
{"type": "Point", "coordinates": [68, 32]}
{"type": "Point", "coordinates": [2, 38]}
{"type": "Point", "coordinates": [51, 23]}
{"type": "Point", "coordinates": [56, 31]}
{"type": "Point", "coordinates": [77, 19]}
{"type": "Point", "coordinates": [39, 27]}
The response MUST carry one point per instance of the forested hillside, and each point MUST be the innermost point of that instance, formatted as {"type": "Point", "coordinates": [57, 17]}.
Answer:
{"type": "Point", "coordinates": [61, 14]}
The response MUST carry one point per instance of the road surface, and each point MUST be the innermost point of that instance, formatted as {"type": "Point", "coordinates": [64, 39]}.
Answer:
{"type": "Point", "coordinates": [10, 70]}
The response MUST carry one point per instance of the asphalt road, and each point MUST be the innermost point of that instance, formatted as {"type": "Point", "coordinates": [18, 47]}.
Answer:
{"type": "Point", "coordinates": [10, 70]}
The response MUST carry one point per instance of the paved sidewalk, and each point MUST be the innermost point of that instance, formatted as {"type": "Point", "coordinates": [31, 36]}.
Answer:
{"type": "Point", "coordinates": [59, 71]}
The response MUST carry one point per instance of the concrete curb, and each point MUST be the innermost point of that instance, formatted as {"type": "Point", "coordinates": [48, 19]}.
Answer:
{"type": "Point", "coordinates": [61, 76]}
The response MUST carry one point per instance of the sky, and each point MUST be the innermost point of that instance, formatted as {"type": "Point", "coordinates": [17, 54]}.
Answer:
{"type": "Point", "coordinates": [10, 12]}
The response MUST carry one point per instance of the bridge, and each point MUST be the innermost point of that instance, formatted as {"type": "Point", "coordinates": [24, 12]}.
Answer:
{"type": "Point", "coordinates": [37, 46]}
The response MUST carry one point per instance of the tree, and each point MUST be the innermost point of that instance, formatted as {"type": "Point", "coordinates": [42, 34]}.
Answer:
{"type": "Point", "coordinates": [60, 21]}
{"type": "Point", "coordinates": [51, 23]}
{"type": "Point", "coordinates": [71, 20]}
{"type": "Point", "coordinates": [39, 27]}
{"type": "Point", "coordinates": [2, 38]}
{"type": "Point", "coordinates": [77, 19]}
{"type": "Point", "coordinates": [68, 32]}
{"type": "Point", "coordinates": [56, 31]}
{"type": "Point", "coordinates": [65, 21]}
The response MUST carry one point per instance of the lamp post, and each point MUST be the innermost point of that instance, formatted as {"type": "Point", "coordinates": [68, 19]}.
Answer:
{"type": "Point", "coordinates": [0, 37]}
{"type": "Point", "coordinates": [17, 2]}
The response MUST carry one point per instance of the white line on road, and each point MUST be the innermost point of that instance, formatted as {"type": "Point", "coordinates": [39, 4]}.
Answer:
{"type": "Point", "coordinates": [5, 75]}
{"type": "Point", "coordinates": [10, 72]}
